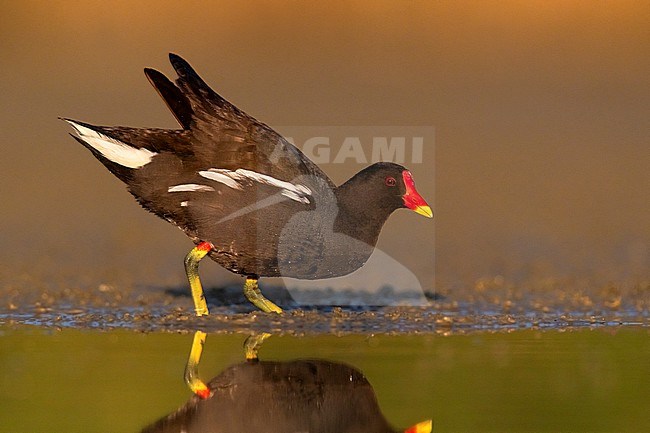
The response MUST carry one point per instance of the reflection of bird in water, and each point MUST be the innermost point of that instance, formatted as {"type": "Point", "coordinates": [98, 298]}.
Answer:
{"type": "Point", "coordinates": [314, 396]}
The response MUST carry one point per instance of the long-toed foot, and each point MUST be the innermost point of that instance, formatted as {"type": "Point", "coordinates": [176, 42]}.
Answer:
{"type": "Point", "coordinates": [254, 295]}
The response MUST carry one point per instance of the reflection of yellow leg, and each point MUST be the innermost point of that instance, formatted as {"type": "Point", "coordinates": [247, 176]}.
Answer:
{"type": "Point", "coordinates": [197, 386]}
{"type": "Point", "coordinates": [253, 294]}
{"type": "Point", "coordinates": [252, 345]}
{"type": "Point", "coordinates": [192, 270]}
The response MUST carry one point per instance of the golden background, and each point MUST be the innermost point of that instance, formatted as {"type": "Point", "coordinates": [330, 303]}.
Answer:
{"type": "Point", "coordinates": [541, 109]}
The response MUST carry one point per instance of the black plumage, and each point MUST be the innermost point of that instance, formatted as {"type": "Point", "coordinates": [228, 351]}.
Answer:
{"type": "Point", "coordinates": [234, 184]}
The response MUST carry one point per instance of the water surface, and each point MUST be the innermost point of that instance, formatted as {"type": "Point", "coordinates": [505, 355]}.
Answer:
{"type": "Point", "coordinates": [528, 380]}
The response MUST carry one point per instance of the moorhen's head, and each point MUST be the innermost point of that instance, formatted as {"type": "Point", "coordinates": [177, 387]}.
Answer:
{"type": "Point", "coordinates": [386, 186]}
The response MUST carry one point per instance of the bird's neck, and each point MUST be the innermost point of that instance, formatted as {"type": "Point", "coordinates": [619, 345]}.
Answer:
{"type": "Point", "coordinates": [358, 215]}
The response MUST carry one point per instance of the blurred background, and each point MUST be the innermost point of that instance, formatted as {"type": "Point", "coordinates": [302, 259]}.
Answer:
{"type": "Point", "coordinates": [540, 166]}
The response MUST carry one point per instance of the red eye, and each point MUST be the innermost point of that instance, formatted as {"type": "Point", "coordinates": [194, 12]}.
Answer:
{"type": "Point", "coordinates": [390, 181]}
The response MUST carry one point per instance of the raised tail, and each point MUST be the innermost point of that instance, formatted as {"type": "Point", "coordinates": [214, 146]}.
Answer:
{"type": "Point", "coordinates": [120, 157]}
{"type": "Point", "coordinates": [112, 149]}
{"type": "Point", "coordinates": [124, 150]}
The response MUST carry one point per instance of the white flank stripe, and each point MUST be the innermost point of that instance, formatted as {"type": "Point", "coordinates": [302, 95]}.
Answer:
{"type": "Point", "coordinates": [222, 176]}
{"type": "Point", "coordinates": [184, 203]}
{"type": "Point", "coordinates": [190, 187]}
{"type": "Point", "coordinates": [112, 149]}
{"type": "Point", "coordinates": [269, 180]}
{"type": "Point", "coordinates": [293, 196]}
{"type": "Point", "coordinates": [233, 179]}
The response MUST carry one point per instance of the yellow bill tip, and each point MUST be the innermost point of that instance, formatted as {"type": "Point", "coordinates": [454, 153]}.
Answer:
{"type": "Point", "coordinates": [424, 211]}
{"type": "Point", "coordinates": [421, 427]}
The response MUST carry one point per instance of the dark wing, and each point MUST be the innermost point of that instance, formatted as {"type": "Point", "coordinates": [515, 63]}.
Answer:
{"type": "Point", "coordinates": [223, 134]}
{"type": "Point", "coordinates": [178, 104]}
{"type": "Point", "coordinates": [223, 177]}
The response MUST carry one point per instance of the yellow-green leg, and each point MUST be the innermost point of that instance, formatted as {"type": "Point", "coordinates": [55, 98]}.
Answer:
{"type": "Point", "coordinates": [252, 345]}
{"type": "Point", "coordinates": [253, 294]}
{"type": "Point", "coordinates": [192, 270]}
{"type": "Point", "coordinates": [197, 386]}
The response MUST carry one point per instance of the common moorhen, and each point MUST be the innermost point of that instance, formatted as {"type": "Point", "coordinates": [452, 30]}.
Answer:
{"type": "Point", "coordinates": [316, 396]}
{"type": "Point", "coordinates": [247, 197]}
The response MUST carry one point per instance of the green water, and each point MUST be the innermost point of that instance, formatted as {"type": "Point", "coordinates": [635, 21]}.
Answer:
{"type": "Point", "coordinates": [525, 381]}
